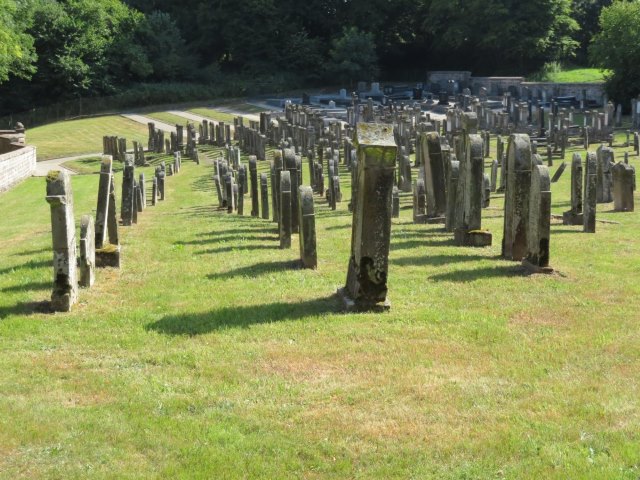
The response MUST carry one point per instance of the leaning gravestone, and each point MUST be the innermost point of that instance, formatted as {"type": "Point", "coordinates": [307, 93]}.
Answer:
{"type": "Point", "coordinates": [539, 227]}
{"type": "Point", "coordinates": [559, 172]}
{"type": "Point", "coordinates": [307, 223]}
{"type": "Point", "coordinates": [590, 194]}
{"type": "Point", "coordinates": [87, 252]}
{"type": "Point", "coordinates": [516, 200]}
{"type": "Point", "coordinates": [104, 188]}
{"type": "Point", "coordinates": [63, 233]}
{"type": "Point", "coordinates": [366, 286]}
{"type": "Point", "coordinates": [623, 186]}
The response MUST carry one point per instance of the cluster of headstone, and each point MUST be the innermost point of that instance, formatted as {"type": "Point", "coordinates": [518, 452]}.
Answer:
{"type": "Point", "coordinates": [215, 133]}
{"type": "Point", "coordinates": [192, 148]}
{"type": "Point", "coordinates": [292, 206]}
{"type": "Point", "coordinates": [114, 146]}
{"type": "Point", "coordinates": [250, 139]}
{"type": "Point", "coordinates": [99, 241]}
{"type": "Point", "coordinates": [155, 142]}
{"type": "Point", "coordinates": [604, 181]}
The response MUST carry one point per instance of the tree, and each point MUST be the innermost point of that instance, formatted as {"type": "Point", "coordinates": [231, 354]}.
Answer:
{"type": "Point", "coordinates": [353, 56]}
{"type": "Point", "coordinates": [16, 46]}
{"type": "Point", "coordinates": [587, 14]}
{"type": "Point", "coordinates": [617, 48]}
{"type": "Point", "coordinates": [500, 36]}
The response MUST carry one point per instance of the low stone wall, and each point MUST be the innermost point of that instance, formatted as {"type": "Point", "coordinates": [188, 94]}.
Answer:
{"type": "Point", "coordinates": [15, 166]}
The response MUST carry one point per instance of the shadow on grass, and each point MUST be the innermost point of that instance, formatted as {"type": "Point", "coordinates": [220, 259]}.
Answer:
{"type": "Point", "coordinates": [427, 242]}
{"type": "Point", "coordinates": [203, 184]}
{"type": "Point", "coordinates": [25, 309]}
{"type": "Point", "coordinates": [230, 238]}
{"type": "Point", "coordinates": [32, 265]}
{"type": "Point", "coordinates": [258, 269]}
{"type": "Point", "coordinates": [25, 253]}
{"type": "Point", "coordinates": [266, 228]}
{"type": "Point", "coordinates": [436, 260]}
{"type": "Point", "coordinates": [232, 248]}
{"type": "Point", "coordinates": [514, 270]}
{"type": "Point", "coordinates": [27, 287]}
{"type": "Point", "coordinates": [243, 317]}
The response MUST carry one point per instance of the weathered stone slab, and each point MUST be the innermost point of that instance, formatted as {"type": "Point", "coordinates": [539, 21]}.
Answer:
{"type": "Point", "coordinates": [559, 172]}
{"type": "Point", "coordinates": [253, 176]}
{"type": "Point", "coordinates": [128, 192]}
{"type": "Point", "coordinates": [590, 194]}
{"type": "Point", "coordinates": [307, 222]}
{"type": "Point", "coordinates": [264, 193]}
{"type": "Point", "coordinates": [285, 209]}
{"type": "Point", "coordinates": [87, 252]}
{"type": "Point", "coordinates": [366, 285]}
{"type": "Point", "coordinates": [516, 204]}
{"type": "Point", "coordinates": [623, 187]}
{"type": "Point", "coordinates": [63, 233]}
{"type": "Point", "coordinates": [102, 210]}
{"type": "Point", "coordinates": [539, 228]}
{"type": "Point", "coordinates": [574, 215]}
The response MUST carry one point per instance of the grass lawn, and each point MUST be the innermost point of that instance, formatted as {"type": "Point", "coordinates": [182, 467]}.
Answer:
{"type": "Point", "coordinates": [578, 75]}
{"type": "Point", "coordinates": [171, 119]}
{"type": "Point", "coordinates": [211, 355]}
{"type": "Point", "coordinates": [77, 137]}
{"type": "Point", "coordinates": [214, 114]}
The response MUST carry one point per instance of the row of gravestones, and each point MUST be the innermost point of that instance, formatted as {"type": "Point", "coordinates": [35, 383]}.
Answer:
{"type": "Point", "coordinates": [99, 240]}
{"type": "Point", "coordinates": [293, 203]}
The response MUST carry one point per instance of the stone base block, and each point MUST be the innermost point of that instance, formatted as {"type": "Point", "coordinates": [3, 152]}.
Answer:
{"type": "Point", "coordinates": [351, 305]}
{"type": "Point", "coordinates": [62, 301]}
{"type": "Point", "coordinates": [420, 219]}
{"type": "Point", "coordinates": [473, 238]}
{"type": "Point", "coordinates": [570, 218]}
{"type": "Point", "coordinates": [535, 269]}
{"type": "Point", "coordinates": [108, 256]}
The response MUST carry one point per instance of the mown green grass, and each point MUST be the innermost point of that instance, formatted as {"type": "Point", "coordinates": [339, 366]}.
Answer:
{"type": "Point", "coordinates": [576, 75]}
{"type": "Point", "coordinates": [214, 114]}
{"type": "Point", "coordinates": [77, 137]}
{"type": "Point", "coordinates": [171, 119]}
{"type": "Point", "coordinates": [211, 355]}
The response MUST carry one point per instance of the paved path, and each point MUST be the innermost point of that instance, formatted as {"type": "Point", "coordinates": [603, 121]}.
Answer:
{"type": "Point", "coordinates": [42, 168]}
{"type": "Point", "coordinates": [165, 127]}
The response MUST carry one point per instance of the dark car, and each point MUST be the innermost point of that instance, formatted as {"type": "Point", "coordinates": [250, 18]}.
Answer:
{"type": "Point", "coordinates": [564, 102]}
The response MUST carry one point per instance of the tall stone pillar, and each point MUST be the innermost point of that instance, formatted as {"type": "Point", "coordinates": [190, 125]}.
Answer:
{"type": "Point", "coordinates": [366, 286]}
{"type": "Point", "coordinates": [63, 233]}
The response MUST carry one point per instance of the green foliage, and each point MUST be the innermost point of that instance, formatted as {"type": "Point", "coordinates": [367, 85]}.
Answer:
{"type": "Point", "coordinates": [492, 36]}
{"type": "Point", "coordinates": [353, 56]}
{"type": "Point", "coordinates": [617, 48]}
{"type": "Point", "coordinates": [16, 46]}
{"type": "Point", "coordinates": [587, 14]}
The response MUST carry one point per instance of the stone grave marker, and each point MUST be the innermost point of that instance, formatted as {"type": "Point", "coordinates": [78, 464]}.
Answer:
{"type": "Point", "coordinates": [87, 252]}
{"type": "Point", "coordinates": [366, 285]}
{"type": "Point", "coordinates": [63, 233]}
{"type": "Point", "coordinates": [307, 222]}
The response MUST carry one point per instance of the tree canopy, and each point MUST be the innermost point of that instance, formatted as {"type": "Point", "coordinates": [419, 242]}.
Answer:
{"type": "Point", "coordinates": [51, 50]}
{"type": "Point", "coordinates": [617, 48]}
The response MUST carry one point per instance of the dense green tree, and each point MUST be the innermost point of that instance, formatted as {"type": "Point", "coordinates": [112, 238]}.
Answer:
{"type": "Point", "coordinates": [587, 14]}
{"type": "Point", "coordinates": [353, 56]}
{"type": "Point", "coordinates": [500, 36]}
{"type": "Point", "coordinates": [16, 46]}
{"type": "Point", "coordinates": [617, 48]}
